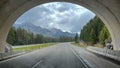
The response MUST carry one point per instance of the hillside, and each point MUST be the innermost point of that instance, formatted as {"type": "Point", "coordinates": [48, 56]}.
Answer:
{"type": "Point", "coordinates": [53, 32]}
{"type": "Point", "coordinates": [94, 32]}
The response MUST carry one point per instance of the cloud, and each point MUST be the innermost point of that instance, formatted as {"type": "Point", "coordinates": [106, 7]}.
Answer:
{"type": "Point", "coordinates": [65, 16]}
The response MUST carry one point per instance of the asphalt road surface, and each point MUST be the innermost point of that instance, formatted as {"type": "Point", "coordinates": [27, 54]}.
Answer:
{"type": "Point", "coordinates": [62, 55]}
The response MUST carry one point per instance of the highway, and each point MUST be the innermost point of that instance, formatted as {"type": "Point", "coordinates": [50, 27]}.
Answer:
{"type": "Point", "coordinates": [62, 55]}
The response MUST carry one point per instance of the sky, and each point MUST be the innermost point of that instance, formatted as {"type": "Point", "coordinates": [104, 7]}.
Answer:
{"type": "Point", "coordinates": [61, 15]}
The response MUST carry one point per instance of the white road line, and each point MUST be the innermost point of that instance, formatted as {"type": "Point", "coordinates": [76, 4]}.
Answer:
{"type": "Point", "coordinates": [79, 57]}
{"type": "Point", "coordinates": [36, 64]}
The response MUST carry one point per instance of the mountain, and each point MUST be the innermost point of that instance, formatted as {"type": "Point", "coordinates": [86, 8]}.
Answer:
{"type": "Point", "coordinates": [53, 32]}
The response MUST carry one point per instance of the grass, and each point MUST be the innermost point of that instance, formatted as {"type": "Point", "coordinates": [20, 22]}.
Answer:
{"type": "Point", "coordinates": [29, 48]}
{"type": "Point", "coordinates": [84, 45]}
{"type": "Point", "coordinates": [99, 45]}
{"type": "Point", "coordinates": [80, 45]}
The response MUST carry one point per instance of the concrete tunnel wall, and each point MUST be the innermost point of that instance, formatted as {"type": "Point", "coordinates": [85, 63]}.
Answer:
{"type": "Point", "coordinates": [107, 10]}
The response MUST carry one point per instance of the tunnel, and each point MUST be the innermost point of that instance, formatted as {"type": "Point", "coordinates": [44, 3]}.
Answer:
{"type": "Point", "coordinates": [107, 10]}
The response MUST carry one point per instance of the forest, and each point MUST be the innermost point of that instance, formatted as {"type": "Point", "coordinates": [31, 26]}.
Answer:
{"type": "Point", "coordinates": [94, 32]}
{"type": "Point", "coordinates": [21, 36]}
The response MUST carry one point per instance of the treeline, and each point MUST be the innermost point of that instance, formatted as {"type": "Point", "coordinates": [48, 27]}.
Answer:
{"type": "Point", "coordinates": [94, 32]}
{"type": "Point", "coordinates": [21, 36]}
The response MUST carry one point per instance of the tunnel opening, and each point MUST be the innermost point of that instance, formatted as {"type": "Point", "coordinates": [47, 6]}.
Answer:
{"type": "Point", "coordinates": [24, 30]}
{"type": "Point", "coordinates": [107, 17]}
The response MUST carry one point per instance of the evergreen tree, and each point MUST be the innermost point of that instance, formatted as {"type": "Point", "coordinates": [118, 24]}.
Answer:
{"type": "Point", "coordinates": [104, 34]}
{"type": "Point", "coordinates": [94, 31]}
{"type": "Point", "coordinates": [12, 36]}
{"type": "Point", "coordinates": [21, 36]}
{"type": "Point", "coordinates": [76, 38]}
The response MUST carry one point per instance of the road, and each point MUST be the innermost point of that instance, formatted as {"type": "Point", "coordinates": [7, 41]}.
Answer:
{"type": "Point", "coordinates": [62, 55]}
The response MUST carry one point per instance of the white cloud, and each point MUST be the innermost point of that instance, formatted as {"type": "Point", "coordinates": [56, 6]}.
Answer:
{"type": "Point", "coordinates": [64, 16]}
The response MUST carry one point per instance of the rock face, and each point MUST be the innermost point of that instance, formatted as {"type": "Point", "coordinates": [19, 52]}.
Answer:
{"type": "Point", "coordinates": [53, 32]}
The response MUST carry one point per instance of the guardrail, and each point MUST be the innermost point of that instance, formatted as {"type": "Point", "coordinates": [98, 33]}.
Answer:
{"type": "Point", "coordinates": [106, 52]}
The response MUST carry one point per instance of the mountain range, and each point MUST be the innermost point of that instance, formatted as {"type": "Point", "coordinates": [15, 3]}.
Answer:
{"type": "Point", "coordinates": [53, 32]}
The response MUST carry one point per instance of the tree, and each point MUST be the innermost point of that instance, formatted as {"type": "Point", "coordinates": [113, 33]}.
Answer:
{"type": "Point", "coordinates": [104, 34]}
{"type": "Point", "coordinates": [76, 38]}
{"type": "Point", "coordinates": [94, 31]}
{"type": "Point", "coordinates": [20, 36]}
{"type": "Point", "coordinates": [92, 38]}
{"type": "Point", "coordinates": [12, 38]}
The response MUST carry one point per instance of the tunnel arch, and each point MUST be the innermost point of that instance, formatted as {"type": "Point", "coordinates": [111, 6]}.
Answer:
{"type": "Point", "coordinates": [12, 9]}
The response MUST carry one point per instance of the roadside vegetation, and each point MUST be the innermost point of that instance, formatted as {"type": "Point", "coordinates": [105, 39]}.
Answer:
{"type": "Point", "coordinates": [33, 47]}
{"type": "Point", "coordinates": [20, 36]}
{"type": "Point", "coordinates": [83, 45]}
{"type": "Point", "coordinates": [94, 33]}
